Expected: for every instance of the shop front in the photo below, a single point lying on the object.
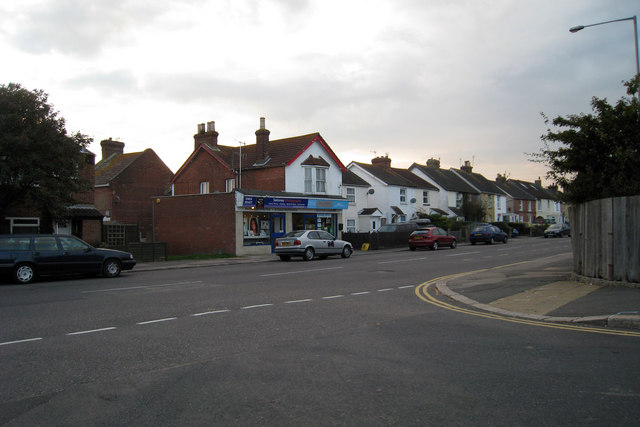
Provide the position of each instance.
(263, 218)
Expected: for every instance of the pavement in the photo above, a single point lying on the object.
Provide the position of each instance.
(545, 289)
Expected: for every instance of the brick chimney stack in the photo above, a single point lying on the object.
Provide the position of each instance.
(111, 147)
(433, 163)
(385, 162)
(467, 167)
(206, 135)
(262, 142)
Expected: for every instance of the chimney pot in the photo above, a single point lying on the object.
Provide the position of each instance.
(262, 142)
(206, 135)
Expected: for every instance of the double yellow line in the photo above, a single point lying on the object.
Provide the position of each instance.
(422, 291)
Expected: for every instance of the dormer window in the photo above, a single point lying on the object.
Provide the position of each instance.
(315, 180)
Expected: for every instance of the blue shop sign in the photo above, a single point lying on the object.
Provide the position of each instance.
(293, 202)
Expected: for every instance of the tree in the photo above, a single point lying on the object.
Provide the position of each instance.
(472, 211)
(599, 156)
(39, 161)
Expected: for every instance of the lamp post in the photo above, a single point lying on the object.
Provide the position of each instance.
(635, 33)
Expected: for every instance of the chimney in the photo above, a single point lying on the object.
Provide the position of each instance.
(538, 182)
(502, 179)
(433, 163)
(467, 167)
(262, 143)
(110, 147)
(385, 162)
(206, 135)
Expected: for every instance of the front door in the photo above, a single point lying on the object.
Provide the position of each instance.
(278, 227)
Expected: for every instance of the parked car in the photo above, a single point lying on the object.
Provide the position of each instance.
(487, 233)
(431, 237)
(27, 257)
(309, 243)
(558, 230)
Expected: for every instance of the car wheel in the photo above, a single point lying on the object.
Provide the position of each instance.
(285, 257)
(111, 268)
(412, 248)
(505, 240)
(545, 236)
(435, 246)
(473, 243)
(492, 241)
(454, 244)
(346, 252)
(24, 274)
(308, 255)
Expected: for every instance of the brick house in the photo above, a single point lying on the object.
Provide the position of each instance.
(238, 200)
(521, 204)
(125, 185)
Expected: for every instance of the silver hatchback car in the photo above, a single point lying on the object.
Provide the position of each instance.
(309, 243)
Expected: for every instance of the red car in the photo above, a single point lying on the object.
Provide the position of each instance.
(432, 237)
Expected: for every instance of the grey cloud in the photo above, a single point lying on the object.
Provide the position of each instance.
(82, 28)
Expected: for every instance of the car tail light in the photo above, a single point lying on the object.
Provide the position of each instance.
(297, 243)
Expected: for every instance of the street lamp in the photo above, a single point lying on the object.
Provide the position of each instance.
(635, 33)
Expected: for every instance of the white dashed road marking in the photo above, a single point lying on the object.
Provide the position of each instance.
(92, 331)
(156, 321)
(20, 341)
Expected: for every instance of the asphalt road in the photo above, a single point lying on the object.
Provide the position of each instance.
(336, 341)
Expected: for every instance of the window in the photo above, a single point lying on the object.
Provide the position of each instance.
(351, 194)
(403, 195)
(308, 180)
(73, 244)
(351, 226)
(425, 198)
(24, 225)
(321, 180)
(204, 187)
(229, 185)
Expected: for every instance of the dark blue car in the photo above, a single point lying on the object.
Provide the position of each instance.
(488, 234)
(26, 257)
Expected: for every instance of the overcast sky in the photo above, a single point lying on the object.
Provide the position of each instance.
(451, 79)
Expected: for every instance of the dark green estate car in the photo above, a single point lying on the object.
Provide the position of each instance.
(25, 257)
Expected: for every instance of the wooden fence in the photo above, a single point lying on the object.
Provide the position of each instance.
(605, 235)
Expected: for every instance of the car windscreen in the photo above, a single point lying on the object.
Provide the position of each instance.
(554, 227)
(387, 228)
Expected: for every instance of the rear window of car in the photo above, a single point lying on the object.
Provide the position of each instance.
(482, 228)
(15, 243)
(420, 232)
(295, 233)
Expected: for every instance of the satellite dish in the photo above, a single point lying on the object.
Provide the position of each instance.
(413, 200)
(371, 191)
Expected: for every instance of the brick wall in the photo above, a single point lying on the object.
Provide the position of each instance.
(264, 179)
(203, 168)
(134, 189)
(196, 224)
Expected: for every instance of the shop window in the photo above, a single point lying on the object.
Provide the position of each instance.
(256, 228)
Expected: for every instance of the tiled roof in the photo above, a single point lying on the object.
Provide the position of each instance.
(480, 182)
(396, 176)
(110, 168)
(515, 190)
(447, 179)
(350, 178)
(537, 191)
(281, 152)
